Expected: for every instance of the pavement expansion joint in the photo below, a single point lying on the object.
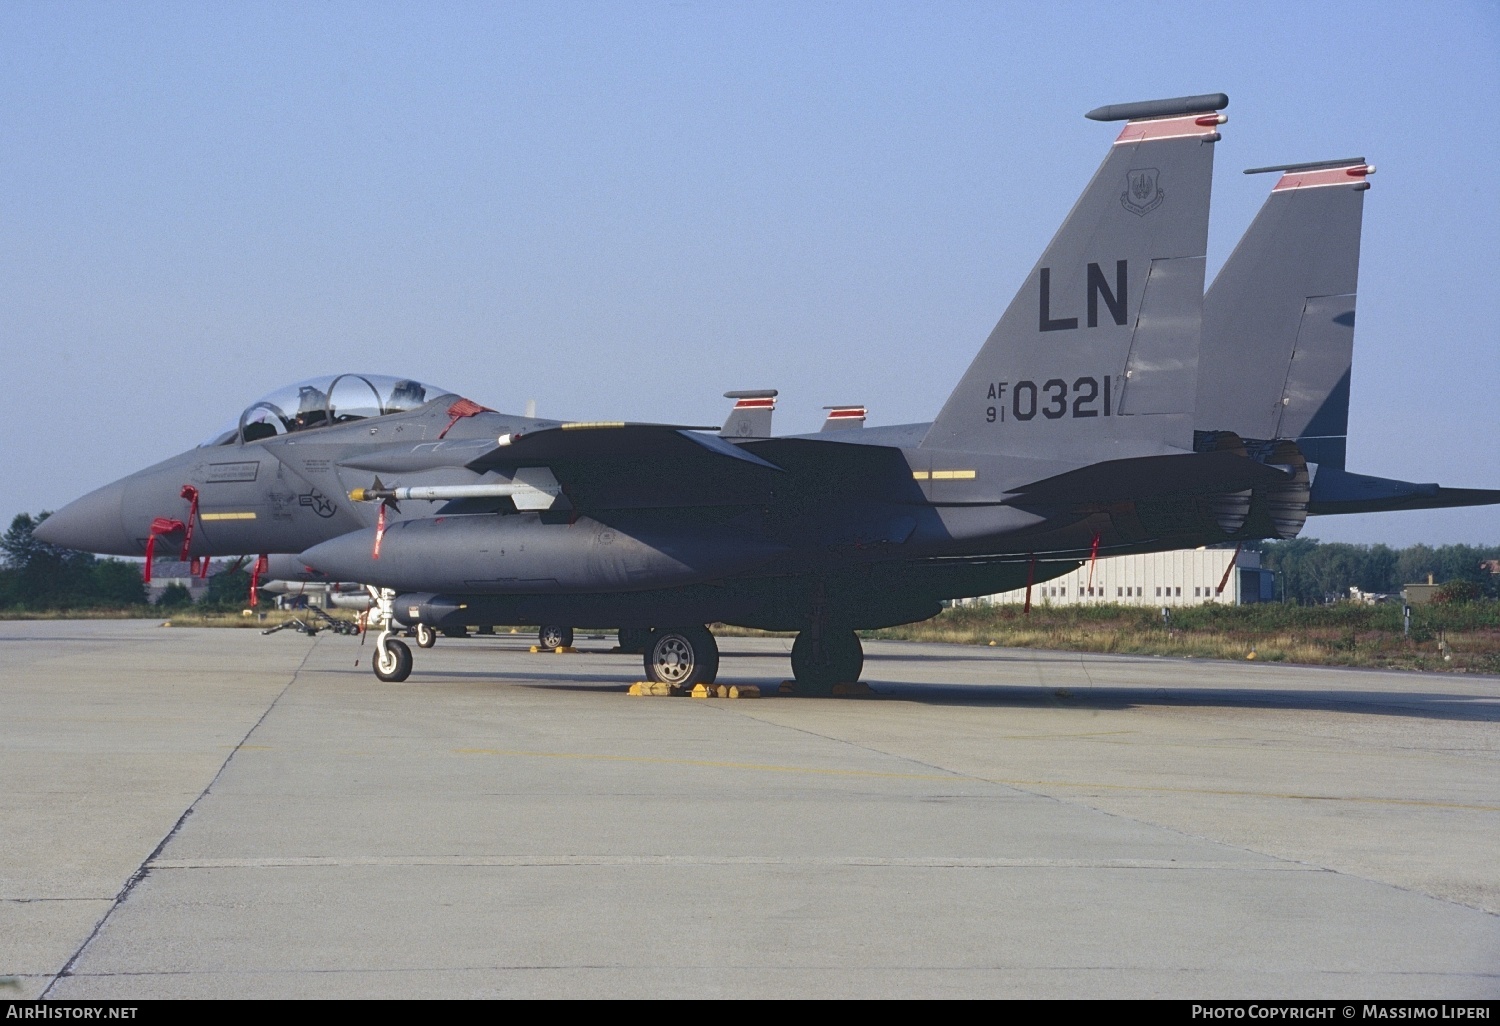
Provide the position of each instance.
(144, 867)
(670, 861)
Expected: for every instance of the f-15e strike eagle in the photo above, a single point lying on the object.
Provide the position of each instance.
(1112, 410)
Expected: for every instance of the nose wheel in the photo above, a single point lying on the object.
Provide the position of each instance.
(392, 660)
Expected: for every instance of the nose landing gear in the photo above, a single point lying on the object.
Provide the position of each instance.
(392, 660)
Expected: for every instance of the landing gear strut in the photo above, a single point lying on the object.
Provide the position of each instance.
(683, 656)
(392, 660)
(831, 657)
(633, 640)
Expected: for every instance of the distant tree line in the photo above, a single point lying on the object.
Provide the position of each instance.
(1310, 571)
(38, 576)
(42, 577)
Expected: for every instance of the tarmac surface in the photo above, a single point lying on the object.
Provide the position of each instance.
(215, 813)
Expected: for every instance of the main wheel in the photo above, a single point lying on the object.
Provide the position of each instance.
(551, 636)
(424, 635)
(633, 640)
(393, 662)
(683, 656)
(838, 660)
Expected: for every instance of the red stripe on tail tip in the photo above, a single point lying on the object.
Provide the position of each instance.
(1199, 125)
(1324, 176)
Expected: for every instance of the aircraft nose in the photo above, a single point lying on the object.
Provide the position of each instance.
(93, 523)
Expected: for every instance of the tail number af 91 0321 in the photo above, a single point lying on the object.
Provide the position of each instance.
(1054, 399)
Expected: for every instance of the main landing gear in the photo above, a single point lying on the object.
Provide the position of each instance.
(633, 640)
(821, 659)
(683, 656)
(822, 656)
(553, 637)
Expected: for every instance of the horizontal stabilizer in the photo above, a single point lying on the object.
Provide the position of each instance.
(1338, 491)
(1149, 477)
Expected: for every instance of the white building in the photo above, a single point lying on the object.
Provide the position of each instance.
(1181, 577)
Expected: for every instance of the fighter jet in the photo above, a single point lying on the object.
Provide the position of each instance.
(1071, 435)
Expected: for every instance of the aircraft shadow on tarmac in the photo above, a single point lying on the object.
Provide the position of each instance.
(1436, 705)
(1072, 695)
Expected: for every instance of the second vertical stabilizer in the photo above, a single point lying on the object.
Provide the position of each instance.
(1278, 322)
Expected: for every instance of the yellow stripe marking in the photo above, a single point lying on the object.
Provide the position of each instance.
(574, 426)
(920, 475)
(226, 516)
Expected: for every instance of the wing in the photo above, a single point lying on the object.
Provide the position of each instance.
(613, 465)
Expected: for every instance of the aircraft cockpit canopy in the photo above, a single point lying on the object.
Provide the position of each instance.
(330, 399)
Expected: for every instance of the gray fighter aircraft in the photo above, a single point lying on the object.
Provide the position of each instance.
(1071, 435)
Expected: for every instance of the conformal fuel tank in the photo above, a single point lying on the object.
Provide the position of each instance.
(525, 554)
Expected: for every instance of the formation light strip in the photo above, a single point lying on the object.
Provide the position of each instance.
(944, 475)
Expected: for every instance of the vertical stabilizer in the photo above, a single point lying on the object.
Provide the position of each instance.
(1278, 322)
(1096, 357)
(751, 415)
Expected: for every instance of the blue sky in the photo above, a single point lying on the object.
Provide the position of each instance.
(622, 210)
